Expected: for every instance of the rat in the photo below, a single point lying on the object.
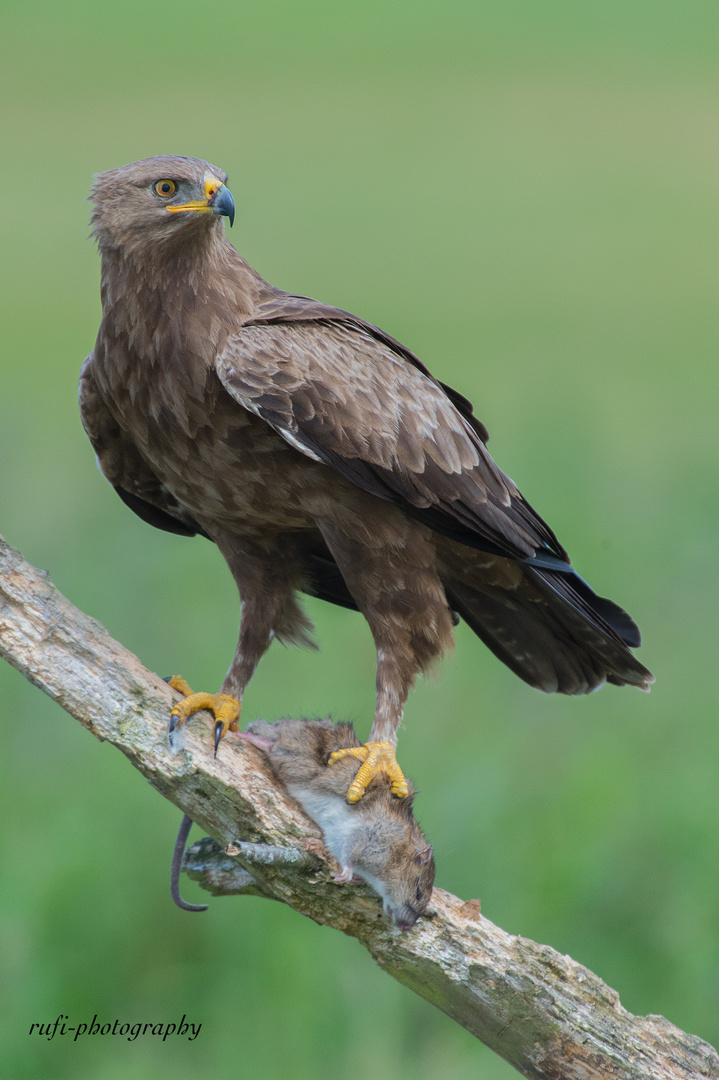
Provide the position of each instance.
(377, 839)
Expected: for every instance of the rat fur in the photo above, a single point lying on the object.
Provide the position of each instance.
(376, 839)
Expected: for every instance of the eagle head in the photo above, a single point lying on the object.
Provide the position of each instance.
(158, 200)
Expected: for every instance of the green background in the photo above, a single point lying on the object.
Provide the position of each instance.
(526, 194)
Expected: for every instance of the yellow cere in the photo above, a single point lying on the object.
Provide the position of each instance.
(211, 187)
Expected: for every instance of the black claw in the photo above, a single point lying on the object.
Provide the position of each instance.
(166, 678)
(219, 727)
(173, 724)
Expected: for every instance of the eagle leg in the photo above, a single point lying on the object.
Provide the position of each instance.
(388, 565)
(378, 759)
(224, 708)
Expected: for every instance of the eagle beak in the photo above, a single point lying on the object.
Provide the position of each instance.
(223, 203)
(218, 200)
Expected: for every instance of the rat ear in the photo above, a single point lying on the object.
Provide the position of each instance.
(424, 855)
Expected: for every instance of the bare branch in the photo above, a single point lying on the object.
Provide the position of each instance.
(547, 1015)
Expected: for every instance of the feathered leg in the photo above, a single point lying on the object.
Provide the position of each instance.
(390, 573)
(267, 576)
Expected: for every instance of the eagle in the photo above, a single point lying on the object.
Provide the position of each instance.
(321, 456)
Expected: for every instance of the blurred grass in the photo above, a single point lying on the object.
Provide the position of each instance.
(527, 195)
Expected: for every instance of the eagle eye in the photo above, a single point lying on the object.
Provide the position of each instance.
(165, 188)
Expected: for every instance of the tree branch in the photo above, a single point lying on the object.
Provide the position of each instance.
(541, 1011)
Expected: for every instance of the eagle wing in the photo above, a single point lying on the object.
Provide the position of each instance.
(343, 393)
(121, 463)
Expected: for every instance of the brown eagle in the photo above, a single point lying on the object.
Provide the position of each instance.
(321, 456)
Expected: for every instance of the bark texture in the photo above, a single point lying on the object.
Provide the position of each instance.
(547, 1015)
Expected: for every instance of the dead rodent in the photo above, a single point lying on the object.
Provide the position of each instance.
(376, 839)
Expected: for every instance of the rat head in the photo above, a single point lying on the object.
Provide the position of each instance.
(159, 200)
(407, 884)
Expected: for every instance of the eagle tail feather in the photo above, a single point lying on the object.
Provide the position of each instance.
(552, 638)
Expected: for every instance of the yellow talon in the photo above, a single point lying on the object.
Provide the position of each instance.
(179, 684)
(378, 759)
(225, 709)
